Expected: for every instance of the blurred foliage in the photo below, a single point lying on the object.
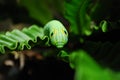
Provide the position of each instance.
(86, 16)
(76, 14)
(87, 69)
(42, 10)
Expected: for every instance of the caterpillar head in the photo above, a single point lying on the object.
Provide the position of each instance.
(57, 33)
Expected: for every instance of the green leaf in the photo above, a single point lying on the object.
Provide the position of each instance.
(63, 55)
(103, 25)
(76, 14)
(86, 68)
(82, 58)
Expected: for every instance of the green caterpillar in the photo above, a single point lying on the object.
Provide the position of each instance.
(54, 30)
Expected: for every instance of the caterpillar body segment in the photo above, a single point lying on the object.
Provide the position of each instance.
(57, 33)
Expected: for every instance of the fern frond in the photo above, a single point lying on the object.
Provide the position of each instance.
(17, 39)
